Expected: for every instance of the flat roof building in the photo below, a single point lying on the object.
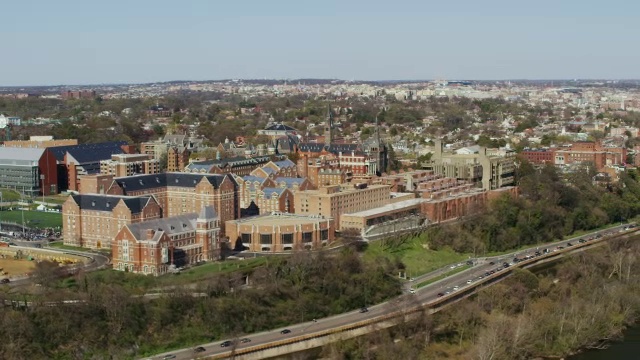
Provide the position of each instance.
(278, 232)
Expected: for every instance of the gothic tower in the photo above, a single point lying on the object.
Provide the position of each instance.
(328, 138)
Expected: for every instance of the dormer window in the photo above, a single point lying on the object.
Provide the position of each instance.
(93, 203)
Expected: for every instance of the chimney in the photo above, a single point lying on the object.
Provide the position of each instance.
(150, 234)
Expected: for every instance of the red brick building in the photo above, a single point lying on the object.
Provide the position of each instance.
(151, 247)
(92, 221)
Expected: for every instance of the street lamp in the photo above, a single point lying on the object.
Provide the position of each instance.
(42, 179)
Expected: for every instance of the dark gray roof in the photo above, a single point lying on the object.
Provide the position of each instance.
(142, 182)
(332, 148)
(108, 202)
(85, 153)
(208, 213)
(170, 225)
(280, 127)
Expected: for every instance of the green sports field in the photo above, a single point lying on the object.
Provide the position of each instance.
(33, 219)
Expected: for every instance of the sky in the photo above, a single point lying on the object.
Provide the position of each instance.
(69, 42)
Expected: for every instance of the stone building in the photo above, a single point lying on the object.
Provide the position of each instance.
(278, 232)
(152, 247)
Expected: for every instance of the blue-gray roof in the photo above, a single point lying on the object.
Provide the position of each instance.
(143, 182)
(289, 181)
(268, 192)
(85, 153)
(108, 202)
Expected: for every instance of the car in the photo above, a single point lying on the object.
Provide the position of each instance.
(412, 279)
(226, 343)
(412, 291)
(506, 265)
(560, 247)
(169, 356)
(245, 340)
(285, 331)
(5, 281)
(569, 244)
(364, 310)
(470, 262)
(492, 263)
(199, 349)
(487, 273)
(516, 260)
(582, 241)
(469, 281)
(480, 277)
(491, 272)
(455, 288)
(440, 294)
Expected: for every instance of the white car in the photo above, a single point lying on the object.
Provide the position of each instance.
(455, 288)
(412, 291)
(469, 281)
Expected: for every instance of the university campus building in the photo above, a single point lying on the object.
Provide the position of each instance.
(278, 232)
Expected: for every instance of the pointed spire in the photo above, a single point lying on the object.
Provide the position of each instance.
(328, 139)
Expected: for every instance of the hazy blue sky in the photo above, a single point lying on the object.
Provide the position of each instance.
(114, 41)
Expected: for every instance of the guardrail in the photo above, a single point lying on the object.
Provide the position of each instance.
(434, 304)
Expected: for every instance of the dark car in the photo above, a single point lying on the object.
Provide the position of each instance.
(506, 265)
(492, 263)
(569, 244)
(582, 241)
(226, 343)
(167, 357)
(285, 331)
(245, 340)
(364, 310)
(199, 349)
(440, 294)
(487, 273)
(4, 281)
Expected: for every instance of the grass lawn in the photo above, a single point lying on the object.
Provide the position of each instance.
(189, 276)
(440, 277)
(55, 199)
(417, 258)
(34, 219)
(9, 195)
(61, 246)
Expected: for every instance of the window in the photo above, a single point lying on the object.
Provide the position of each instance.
(246, 238)
(287, 238)
(307, 237)
(324, 234)
(265, 239)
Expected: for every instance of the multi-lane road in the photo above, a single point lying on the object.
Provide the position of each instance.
(408, 300)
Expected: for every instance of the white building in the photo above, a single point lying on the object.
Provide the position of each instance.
(8, 120)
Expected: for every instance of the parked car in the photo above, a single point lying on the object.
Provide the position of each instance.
(364, 310)
(5, 281)
(285, 331)
(199, 349)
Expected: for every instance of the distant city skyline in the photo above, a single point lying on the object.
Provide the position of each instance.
(81, 43)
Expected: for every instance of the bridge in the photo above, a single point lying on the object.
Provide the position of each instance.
(427, 300)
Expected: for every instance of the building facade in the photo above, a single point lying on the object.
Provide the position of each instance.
(280, 232)
(92, 221)
(152, 247)
(129, 164)
(332, 201)
(29, 171)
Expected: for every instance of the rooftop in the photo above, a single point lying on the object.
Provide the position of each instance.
(278, 218)
(400, 205)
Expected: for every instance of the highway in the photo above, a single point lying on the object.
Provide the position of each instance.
(406, 301)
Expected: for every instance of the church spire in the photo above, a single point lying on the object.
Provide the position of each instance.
(328, 139)
(377, 133)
